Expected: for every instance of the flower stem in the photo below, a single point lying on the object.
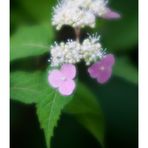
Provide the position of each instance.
(77, 33)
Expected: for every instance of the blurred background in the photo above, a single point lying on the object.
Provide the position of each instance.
(118, 98)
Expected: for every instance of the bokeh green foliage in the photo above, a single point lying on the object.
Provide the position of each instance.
(31, 36)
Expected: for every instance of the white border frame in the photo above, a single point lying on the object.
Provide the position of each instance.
(143, 74)
(4, 74)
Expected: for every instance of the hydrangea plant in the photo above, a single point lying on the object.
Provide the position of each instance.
(78, 14)
(52, 91)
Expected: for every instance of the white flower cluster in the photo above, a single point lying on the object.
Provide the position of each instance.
(78, 13)
(65, 53)
(73, 52)
(92, 49)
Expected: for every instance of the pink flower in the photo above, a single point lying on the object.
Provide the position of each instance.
(63, 79)
(102, 70)
(110, 14)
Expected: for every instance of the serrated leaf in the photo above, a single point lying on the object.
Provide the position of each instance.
(85, 108)
(34, 88)
(49, 110)
(30, 41)
(123, 68)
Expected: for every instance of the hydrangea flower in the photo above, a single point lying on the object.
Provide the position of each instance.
(73, 52)
(80, 13)
(63, 79)
(102, 69)
(68, 13)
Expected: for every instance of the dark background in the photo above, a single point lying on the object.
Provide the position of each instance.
(118, 98)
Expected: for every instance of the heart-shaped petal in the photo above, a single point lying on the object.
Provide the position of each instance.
(67, 87)
(108, 60)
(104, 75)
(68, 70)
(54, 78)
(93, 70)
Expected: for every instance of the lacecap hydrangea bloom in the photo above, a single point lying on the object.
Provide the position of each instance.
(73, 52)
(65, 55)
(81, 13)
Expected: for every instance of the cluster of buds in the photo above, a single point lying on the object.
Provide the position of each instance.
(73, 52)
(64, 56)
(81, 13)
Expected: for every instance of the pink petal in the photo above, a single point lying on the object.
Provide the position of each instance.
(102, 69)
(67, 87)
(68, 70)
(104, 76)
(110, 14)
(93, 70)
(108, 60)
(54, 78)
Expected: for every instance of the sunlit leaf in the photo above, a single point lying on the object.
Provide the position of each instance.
(30, 41)
(29, 87)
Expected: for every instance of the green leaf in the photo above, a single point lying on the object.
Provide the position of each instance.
(30, 41)
(34, 88)
(27, 12)
(38, 9)
(119, 101)
(29, 87)
(49, 110)
(87, 111)
(124, 69)
(30, 11)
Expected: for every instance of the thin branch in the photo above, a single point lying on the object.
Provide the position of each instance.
(77, 33)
